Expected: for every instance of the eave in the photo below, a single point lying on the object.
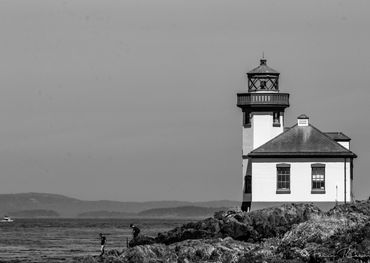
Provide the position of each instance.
(300, 155)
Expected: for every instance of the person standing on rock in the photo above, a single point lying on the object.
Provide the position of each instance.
(135, 231)
(103, 239)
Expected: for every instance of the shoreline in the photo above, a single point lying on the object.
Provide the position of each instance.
(289, 233)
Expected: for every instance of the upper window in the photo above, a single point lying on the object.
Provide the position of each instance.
(276, 119)
(246, 119)
(283, 178)
(318, 178)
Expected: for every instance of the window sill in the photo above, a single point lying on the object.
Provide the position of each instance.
(276, 125)
(282, 192)
(318, 192)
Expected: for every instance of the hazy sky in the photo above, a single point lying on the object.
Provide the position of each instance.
(136, 100)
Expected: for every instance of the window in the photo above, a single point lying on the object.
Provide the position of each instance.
(263, 84)
(318, 178)
(246, 119)
(283, 179)
(276, 119)
(248, 184)
(248, 178)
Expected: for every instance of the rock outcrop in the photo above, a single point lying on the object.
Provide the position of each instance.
(251, 227)
(290, 233)
(142, 240)
(265, 223)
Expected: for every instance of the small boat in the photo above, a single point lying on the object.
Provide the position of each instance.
(7, 219)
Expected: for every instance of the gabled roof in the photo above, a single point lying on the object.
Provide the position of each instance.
(302, 141)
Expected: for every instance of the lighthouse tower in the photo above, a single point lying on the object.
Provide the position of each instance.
(263, 117)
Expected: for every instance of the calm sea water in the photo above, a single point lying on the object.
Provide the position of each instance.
(61, 240)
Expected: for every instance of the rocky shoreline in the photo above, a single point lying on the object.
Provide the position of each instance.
(289, 233)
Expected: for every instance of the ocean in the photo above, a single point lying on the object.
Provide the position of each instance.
(63, 240)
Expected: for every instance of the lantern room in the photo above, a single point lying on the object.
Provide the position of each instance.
(263, 78)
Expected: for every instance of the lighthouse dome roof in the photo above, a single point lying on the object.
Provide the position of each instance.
(263, 69)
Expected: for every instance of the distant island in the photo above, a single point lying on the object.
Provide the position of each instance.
(170, 212)
(53, 205)
(182, 211)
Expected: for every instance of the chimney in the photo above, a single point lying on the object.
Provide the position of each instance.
(302, 120)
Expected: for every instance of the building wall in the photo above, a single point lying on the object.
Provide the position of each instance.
(263, 130)
(247, 147)
(247, 140)
(264, 180)
(260, 132)
(344, 144)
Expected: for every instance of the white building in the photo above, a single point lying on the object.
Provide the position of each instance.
(297, 164)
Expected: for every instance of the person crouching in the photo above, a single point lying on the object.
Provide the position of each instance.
(135, 231)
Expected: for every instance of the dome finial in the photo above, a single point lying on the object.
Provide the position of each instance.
(263, 60)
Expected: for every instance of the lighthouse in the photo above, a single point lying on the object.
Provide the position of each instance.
(263, 109)
(282, 164)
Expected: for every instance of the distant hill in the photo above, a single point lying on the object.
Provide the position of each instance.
(183, 211)
(106, 214)
(71, 207)
(35, 213)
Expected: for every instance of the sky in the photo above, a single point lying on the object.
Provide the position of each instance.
(136, 100)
